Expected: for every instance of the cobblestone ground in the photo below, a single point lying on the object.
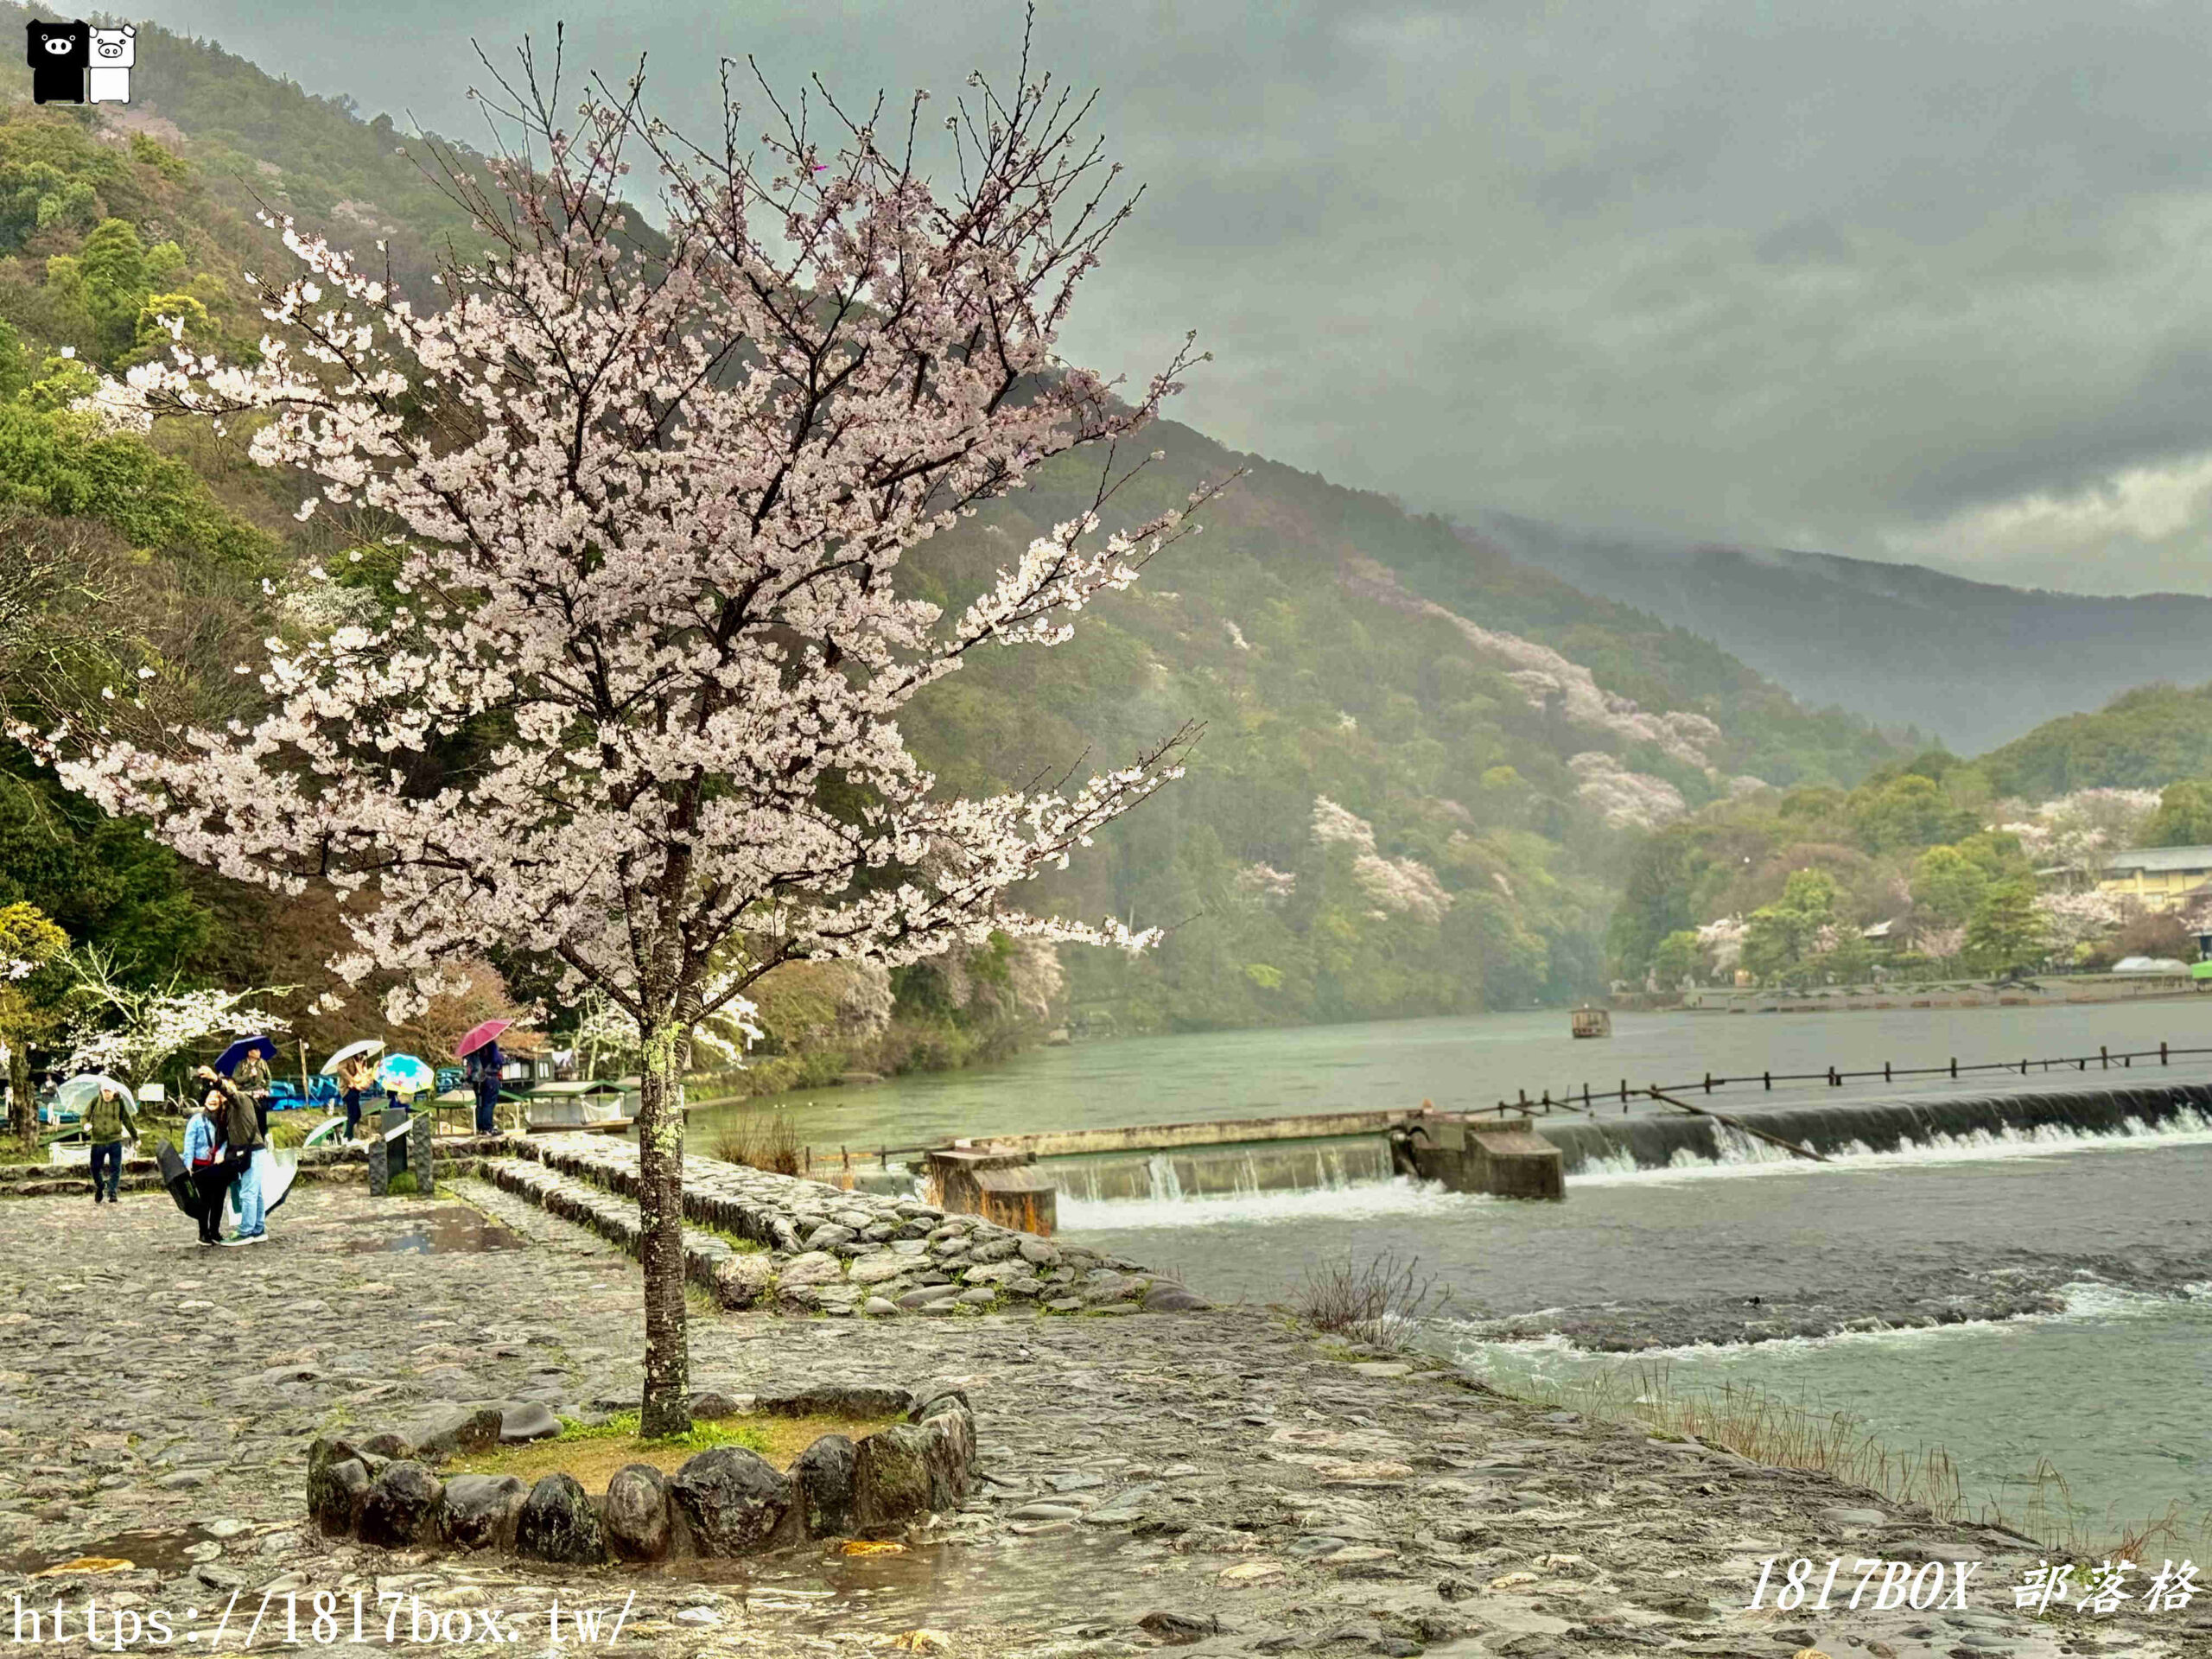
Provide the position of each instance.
(1215, 1481)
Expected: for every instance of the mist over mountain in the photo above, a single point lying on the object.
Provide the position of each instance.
(1974, 663)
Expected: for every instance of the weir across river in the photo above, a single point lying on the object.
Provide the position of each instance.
(1509, 1154)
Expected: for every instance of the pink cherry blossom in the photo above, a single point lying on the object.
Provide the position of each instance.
(648, 511)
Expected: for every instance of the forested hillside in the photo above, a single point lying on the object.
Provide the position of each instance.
(2146, 738)
(1422, 770)
(1495, 732)
(1946, 851)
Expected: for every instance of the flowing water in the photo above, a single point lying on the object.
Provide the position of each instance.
(2014, 1269)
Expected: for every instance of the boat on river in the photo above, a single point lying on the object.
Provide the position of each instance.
(1587, 1021)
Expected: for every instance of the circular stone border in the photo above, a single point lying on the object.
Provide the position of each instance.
(383, 1491)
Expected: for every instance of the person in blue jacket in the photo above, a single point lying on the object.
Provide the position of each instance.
(203, 1157)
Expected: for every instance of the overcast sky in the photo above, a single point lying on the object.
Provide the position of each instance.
(1899, 279)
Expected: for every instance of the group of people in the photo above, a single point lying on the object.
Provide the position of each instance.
(228, 1125)
(485, 1068)
(229, 1122)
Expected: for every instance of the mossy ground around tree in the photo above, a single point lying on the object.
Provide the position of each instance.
(592, 1453)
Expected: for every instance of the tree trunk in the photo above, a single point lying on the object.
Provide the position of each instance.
(22, 1102)
(666, 1408)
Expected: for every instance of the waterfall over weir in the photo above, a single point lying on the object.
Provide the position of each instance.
(1223, 1172)
(1887, 1124)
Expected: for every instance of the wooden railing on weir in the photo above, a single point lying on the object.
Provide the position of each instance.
(1589, 1100)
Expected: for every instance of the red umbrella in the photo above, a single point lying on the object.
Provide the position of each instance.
(483, 1034)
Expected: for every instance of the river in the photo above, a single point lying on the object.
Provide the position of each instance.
(2011, 1298)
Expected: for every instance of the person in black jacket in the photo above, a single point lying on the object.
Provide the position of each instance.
(485, 1066)
(242, 1135)
(204, 1156)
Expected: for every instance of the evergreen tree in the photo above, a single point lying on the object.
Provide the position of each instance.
(2006, 933)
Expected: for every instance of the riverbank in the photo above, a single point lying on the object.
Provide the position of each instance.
(1216, 1477)
(2051, 990)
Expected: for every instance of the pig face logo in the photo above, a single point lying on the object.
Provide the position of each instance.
(113, 51)
(59, 53)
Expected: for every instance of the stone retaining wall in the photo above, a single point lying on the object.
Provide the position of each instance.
(768, 1241)
(727, 1501)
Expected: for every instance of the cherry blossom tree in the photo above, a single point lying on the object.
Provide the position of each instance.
(1723, 940)
(2079, 830)
(134, 1031)
(1265, 883)
(28, 941)
(1402, 886)
(608, 1033)
(634, 715)
(1942, 945)
(2074, 919)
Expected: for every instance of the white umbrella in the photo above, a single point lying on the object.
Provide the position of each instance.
(366, 1045)
(79, 1092)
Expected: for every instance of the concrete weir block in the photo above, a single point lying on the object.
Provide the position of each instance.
(999, 1184)
(1024, 1199)
(1506, 1159)
(1516, 1163)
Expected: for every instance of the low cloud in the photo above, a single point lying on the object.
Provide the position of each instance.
(1893, 280)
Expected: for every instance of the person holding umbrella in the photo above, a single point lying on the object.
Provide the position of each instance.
(355, 1078)
(246, 1063)
(486, 1065)
(108, 1119)
(242, 1138)
(354, 1067)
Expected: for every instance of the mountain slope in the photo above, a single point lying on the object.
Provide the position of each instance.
(1422, 769)
(2148, 739)
(1974, 662)
(1420, 773)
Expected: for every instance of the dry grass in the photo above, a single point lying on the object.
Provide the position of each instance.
(1758, 1426)
(761, 1139)
(593, 1455)
(1382, 1301)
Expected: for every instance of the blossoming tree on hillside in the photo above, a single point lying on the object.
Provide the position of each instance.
(634, 715)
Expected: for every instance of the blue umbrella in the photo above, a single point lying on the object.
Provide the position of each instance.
(227, 1061)
(403, 1074)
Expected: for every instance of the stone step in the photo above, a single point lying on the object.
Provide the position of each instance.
(767, 1240)
(780, 1212)
(708, 1261)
